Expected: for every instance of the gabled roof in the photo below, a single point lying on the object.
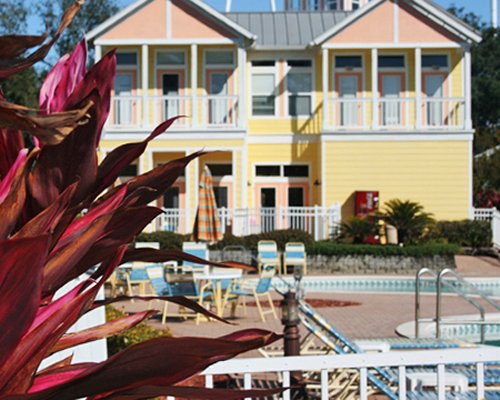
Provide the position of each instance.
(287, 30)
(426, 7)
(200, 5)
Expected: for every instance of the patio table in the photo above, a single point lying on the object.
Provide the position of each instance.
(216, 276)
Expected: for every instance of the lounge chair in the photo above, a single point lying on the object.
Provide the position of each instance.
(267, 254)
(135, 274)
(199, 250)
(256, 290)
(295, 255)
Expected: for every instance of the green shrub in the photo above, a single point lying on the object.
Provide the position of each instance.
(137, 334)
(167, 240)
(465, 233)
(328, 248)
(359, 230)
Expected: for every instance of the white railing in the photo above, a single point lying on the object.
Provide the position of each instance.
(492, 215)
(348, 113)
(282, 367)
(483, 214)
(125, 111)
(219, 111)
(443, 113)
(395, 112)
(320, 222)
(165, 107)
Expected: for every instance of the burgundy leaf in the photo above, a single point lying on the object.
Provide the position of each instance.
(11, 143)
(102, 331)
(59, 364)
(13, 46)
(122, 156)
(161, 361)
(20, 289)
(58, 376)
(6, 182)
(62, 79)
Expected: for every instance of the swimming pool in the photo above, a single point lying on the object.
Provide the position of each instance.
(383, 284)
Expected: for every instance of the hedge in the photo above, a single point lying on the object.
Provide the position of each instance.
(465, 233)
(327, 248)
(167, 240)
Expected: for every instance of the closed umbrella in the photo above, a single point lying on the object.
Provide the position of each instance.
(207, 226)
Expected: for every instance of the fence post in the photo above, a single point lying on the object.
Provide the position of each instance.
(317, 221)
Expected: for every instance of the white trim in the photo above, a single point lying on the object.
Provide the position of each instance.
(150, 160)
(114, 19)
(215, 15)
(145, 83)
(468, 89)
(242, 65)
(98, 53)
(397, 137)
(173, 136)
(323, 173)
(422, 6)
(494, 14)
(233, 178)
(471, 180)
(324, 80)
(168, 18)
(244, 174)
(418, 87)
(187, 196)
(161, 42)
(228, 6)
(194, 84)
(364, 46)
(395, 21)
(375, 121)
(196, 165)
(284, 138)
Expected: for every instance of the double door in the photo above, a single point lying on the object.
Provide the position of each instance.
(284, 196)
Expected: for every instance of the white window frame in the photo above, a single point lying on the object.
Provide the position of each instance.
(440, 69)
(357, 2)
(170, 66)
(128, 66)
(264, 70)
(287, 94)
(217, 66)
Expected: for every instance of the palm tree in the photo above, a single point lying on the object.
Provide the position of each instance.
(360, 229)
(408, 217)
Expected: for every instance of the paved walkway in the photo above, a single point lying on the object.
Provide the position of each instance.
(377, 316)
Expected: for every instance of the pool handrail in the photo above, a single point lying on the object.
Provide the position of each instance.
(420, 272)
(463, 294)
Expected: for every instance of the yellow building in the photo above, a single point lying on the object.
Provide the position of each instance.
(305, 108)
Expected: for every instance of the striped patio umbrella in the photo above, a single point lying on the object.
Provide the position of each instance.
(207, 225)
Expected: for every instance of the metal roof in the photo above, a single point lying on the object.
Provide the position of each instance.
(287, 30)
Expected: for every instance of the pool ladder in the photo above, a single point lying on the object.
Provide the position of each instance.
(466, 295)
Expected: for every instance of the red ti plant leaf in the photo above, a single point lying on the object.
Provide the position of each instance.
(122, 156)
(6, 182)
(59, 165)
(11, 143)
(62, 79)
(12, 206)
(20, 288)
(161, 361)
(11, 47)
(102, 331)
(57, 376)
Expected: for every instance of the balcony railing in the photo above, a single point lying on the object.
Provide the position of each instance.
(320, 222)
(205, 112)
(395, 113)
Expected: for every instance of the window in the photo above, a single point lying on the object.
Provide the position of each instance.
(348, 62)
(125, 59)
(220, 169)
(331, 4)
(391, 61)
(296, 171)
(355, 4)
(267, 170)
(127, 173)
(219, 57)
(263, 88)
(220, 193)
(299, 87)
(435, 61)
(170, 58)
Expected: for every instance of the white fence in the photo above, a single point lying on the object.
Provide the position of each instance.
(320, 222)
(324, 366)
(493, 215)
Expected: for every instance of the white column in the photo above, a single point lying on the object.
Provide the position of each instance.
(194, 85)
(324, 77)
(98, 53)
(375, 89)
(242, 67)
(144, 80)
(468, 89)
(494, 14)
(418, 88)
(244, 175)
(228, 5)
